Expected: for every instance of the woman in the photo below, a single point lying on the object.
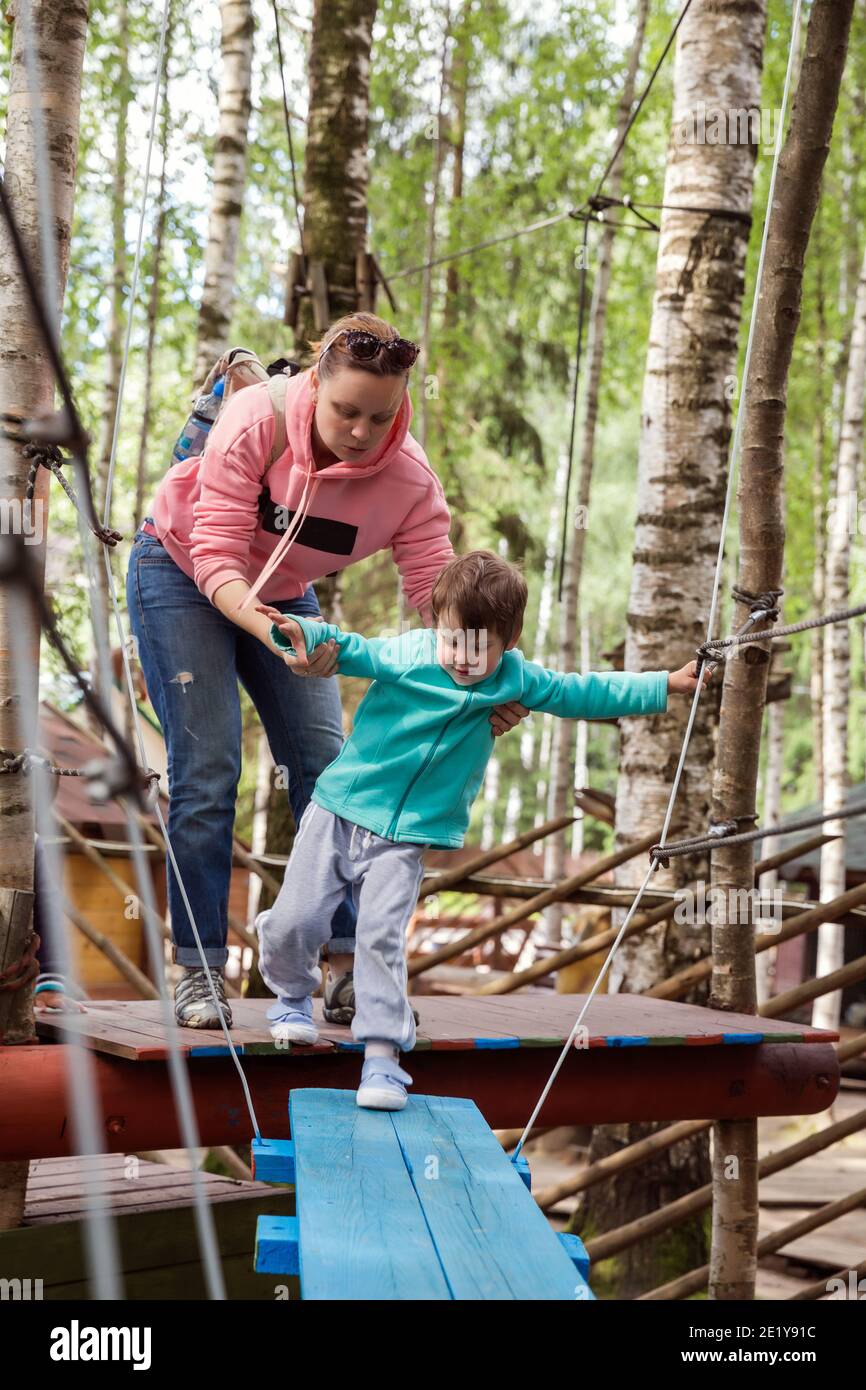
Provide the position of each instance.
(351, 481)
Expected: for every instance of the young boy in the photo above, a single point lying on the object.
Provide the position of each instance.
(405, 780)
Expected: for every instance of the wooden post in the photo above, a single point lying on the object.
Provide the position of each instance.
(762, 538)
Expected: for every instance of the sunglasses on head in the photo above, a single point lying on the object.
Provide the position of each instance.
(364, 346)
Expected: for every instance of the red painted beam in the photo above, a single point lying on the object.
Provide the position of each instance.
(595, 1086)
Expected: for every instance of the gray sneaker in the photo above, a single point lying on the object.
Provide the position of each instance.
(338, 1005)
(193, 1002)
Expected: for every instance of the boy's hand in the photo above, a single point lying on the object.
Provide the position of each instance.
(323, 661)
(505, 717)
(685, 680)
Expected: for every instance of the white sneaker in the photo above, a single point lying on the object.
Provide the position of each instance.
(289, 1024)
(383, 1084)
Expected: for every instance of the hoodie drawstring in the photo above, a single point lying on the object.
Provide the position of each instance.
(287, 541)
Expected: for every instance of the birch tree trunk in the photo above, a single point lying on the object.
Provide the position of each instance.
(562, 769)
(733, 1260)
(819, 521)
(682, 464)
(229, 183)
(27, 388)
(114, 330)
(142, 482)
(837, 673)
(430, 249)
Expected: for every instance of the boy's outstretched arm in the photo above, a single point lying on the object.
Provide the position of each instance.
(297, 638)
(605, 694)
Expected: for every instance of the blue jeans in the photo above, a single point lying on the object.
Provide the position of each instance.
(193, 657)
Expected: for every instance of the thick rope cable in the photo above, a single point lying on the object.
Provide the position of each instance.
(732, 463)
(720, 840)
(839, 615)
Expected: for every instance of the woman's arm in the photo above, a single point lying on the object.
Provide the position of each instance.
(226, 598)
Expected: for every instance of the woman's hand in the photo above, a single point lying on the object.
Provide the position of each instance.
(685, 680)
(323, 661)
(505, 717)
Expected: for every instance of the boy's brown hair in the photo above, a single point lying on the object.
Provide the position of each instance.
(483, 591)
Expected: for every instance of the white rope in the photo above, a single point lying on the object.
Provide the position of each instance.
(732, 466)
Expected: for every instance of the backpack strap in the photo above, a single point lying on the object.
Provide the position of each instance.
(277, 383)
(277, 392)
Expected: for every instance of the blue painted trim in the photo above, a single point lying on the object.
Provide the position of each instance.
(742, 1037)
(632, 1041)
(576, 1252)
(277, 1246)
(522, 1166)
(214, 1051)
(496, 1042)
(273, 1160)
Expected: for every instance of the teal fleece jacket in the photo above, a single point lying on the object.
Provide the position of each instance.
(414, 762)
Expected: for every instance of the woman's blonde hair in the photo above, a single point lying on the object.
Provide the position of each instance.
(337, 356)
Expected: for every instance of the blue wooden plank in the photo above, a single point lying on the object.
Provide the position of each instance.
(522, 1166)
(633, 1040)
(496, 1042)
(576, 1252)
(273, 1160)
(277, 1245)
(362, 1231)
(742, 1037)
(492, 1239)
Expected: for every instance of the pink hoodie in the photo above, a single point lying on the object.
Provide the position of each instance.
(220, 519)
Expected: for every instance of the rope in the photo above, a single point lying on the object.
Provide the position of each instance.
(721, 839)
(732, 460)
(643, 96)
(840, 615)
(22, 762)
(22, 970)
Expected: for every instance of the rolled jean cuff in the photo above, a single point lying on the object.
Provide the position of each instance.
(340, 946)
(188, 955)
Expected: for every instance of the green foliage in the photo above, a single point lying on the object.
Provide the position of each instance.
(543, 87)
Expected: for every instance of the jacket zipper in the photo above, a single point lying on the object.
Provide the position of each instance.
(393, 826)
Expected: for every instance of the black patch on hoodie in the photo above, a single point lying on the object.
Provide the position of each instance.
(317, 532)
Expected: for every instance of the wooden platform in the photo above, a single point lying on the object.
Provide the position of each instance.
(532, 1018)
(152, 1207)
(418, 1204)
(643, 1059)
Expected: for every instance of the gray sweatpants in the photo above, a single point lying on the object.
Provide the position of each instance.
(330, 853)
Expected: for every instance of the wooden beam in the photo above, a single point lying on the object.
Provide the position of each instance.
(519, 914)
(445, 879)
